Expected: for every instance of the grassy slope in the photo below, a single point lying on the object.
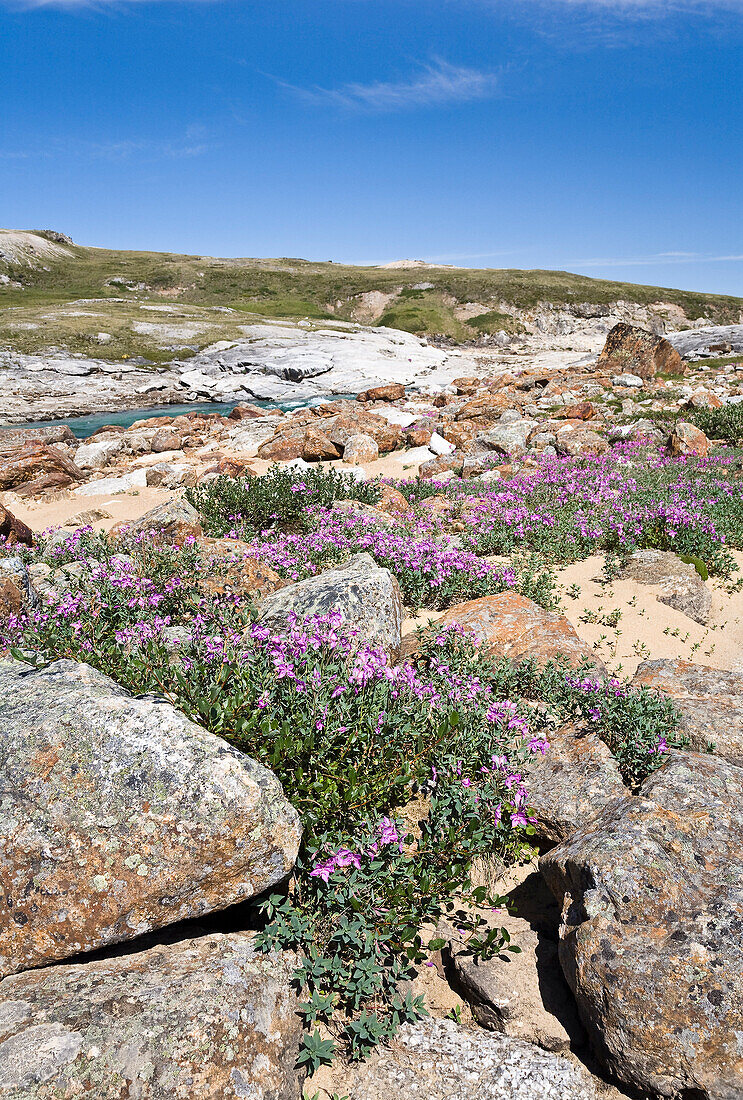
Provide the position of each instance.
(295, 288)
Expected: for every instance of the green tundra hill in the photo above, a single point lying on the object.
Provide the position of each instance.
(54, 293)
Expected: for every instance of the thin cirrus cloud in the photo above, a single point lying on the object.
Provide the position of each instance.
(144, 150)
(436, 84)
(661, 258)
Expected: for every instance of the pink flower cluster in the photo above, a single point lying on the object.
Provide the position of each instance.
(344, 857)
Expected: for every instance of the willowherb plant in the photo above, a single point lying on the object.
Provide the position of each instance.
(279, 500)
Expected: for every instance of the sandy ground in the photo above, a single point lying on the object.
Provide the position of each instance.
(646, 629)
(122, 508)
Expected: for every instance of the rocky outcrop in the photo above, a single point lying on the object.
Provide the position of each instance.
(711, 341)
(681, 586)
(123, 816)
(367, 596)
(513, 626)
(571, 782)
(709, 701)
(652, 912)
(438, 1060)
(393, 391)
(191, 1020)
(632, 350)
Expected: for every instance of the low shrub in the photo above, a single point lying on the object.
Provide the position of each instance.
(279, 500)
(724, 423)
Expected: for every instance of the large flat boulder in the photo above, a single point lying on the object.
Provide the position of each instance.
(120, 816)
(650, 939)
(709, 700)
(194, 1020)
(680, 585)
(437, 1060)
(367, 596)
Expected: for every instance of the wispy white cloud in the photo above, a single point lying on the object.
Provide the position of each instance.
(79, 4)
(435, 84)
(190, 144)
(659, 258)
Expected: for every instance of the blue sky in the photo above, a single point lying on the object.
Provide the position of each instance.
(599, 136)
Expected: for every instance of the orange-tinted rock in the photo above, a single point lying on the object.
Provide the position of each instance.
(169, 439)
(392, 502)
(488, 407)
(687, 439)
(12, 597)
(582, 411)
(246, 412)
(233, 570)
(466, 385)
(434, 467)
(234, 467)
(703, 399)
(513, 626)
(13, 530)
(415, 436)
(460, 432)
(580, 441)
(31, 460)
(12, 438)
(394, 391)
(317, 447)
(43, 482)
(283, 447)
(630, 350)
(340, 429)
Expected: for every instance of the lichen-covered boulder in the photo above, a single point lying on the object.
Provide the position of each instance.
(639, 352)
(119, 816)
(709, 702)
(193, 1020)
(176, 520)
(687, 439)
(360, 448)
(652, 929)
(438, 1060)
(571, 782)
(367, 596)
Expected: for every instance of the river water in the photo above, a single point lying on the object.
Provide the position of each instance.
(83, 426)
